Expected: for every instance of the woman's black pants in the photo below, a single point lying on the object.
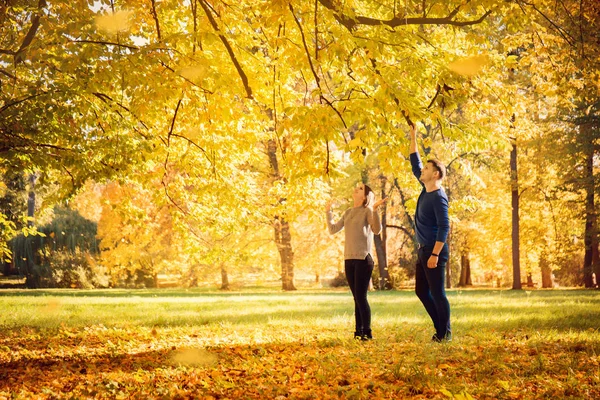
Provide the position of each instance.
(358, 274)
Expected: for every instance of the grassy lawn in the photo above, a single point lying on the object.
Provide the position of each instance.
(180, 344)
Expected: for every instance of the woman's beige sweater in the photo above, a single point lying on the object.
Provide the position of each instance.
(360, 223)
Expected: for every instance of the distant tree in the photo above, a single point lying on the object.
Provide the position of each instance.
(69, 238)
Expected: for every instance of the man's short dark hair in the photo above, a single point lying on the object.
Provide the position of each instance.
(437, 164)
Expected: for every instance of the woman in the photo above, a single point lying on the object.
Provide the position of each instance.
(360, 222)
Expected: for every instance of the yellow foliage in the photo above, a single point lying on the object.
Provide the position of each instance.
(194, 73)
(469, 66)
(115, 22)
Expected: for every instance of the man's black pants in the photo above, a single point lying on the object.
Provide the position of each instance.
(430, 286)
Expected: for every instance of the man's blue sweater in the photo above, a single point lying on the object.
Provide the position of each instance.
(431, 217)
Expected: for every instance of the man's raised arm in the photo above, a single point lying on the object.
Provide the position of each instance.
(413, 140)
(415, 159)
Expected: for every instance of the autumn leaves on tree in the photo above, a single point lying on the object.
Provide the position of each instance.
(230, 123)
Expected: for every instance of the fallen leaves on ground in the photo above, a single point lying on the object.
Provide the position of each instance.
(194, 362)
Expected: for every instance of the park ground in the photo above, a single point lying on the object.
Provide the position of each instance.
(199, 344)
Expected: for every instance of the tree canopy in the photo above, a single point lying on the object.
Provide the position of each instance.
(219, 118)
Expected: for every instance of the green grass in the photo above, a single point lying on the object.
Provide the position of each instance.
(262, 344)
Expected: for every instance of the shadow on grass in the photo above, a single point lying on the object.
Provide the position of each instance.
(471, 309)
(166, 292)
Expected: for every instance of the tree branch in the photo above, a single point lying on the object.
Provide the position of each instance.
(168, 142)
(403, 200)
(105, 43)
(155, 16)
(316, 30)
(328, 151)
(402, 228)
(312, 67)
(437, 93)
(352, 22)
(171, 199)
(14, 103)
(396, 100)
(4, 72)
(235, 61)
(565, 35)
(27, 143)
(190, 141)
(173, 123)
(35, 24)
(314, 72)
(105, 98)
(185, 79)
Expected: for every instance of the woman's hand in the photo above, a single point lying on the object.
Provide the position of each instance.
(378, 203)
(328, 206)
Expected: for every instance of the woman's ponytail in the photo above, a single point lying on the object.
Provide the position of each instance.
(369, 197)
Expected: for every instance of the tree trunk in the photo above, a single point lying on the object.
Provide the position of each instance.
(384, 274)
(449, 263)
(283, 240)
(224, 278)
(194, 276)
(596, 264)
(283, 236)
(515, 217)
(381, 245)
(546, 272)
(465, 270)
(591, 239)
(31, 200)
(32, 278)
(530, 280)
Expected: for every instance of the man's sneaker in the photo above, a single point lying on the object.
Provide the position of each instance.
(447, 338)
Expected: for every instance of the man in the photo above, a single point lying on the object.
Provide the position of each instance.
(432, 226)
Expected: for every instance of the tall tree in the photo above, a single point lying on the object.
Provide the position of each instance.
(561, 45)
